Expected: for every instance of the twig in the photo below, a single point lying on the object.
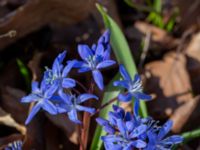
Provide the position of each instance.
(86, 124)
(104, 105)
(145, 49)
(11, 34)
(81, 85)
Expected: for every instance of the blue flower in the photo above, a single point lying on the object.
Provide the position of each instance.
(58, 74)
(157, 140)
(41, 96)
(133, 87)
(127, 131)
(16, 145)
(123, 131)
(71, 104)
(95, 58)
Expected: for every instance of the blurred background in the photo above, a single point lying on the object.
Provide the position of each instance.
(164, 39)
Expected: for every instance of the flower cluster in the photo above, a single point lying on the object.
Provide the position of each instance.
(96, 58)
(56, 94)
(127, 131)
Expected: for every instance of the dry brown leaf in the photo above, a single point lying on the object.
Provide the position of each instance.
(193, 61)
(6, 119)
(10, 102)
(68, 127)
(169, 81)
(35, 14)
(158, 36)
(34, 65)
(189, 12)
(181, 115)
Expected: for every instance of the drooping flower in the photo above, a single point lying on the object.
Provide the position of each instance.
(58, 74)
(72, 104)
(133, 87)
(16, 145)
(41, 96)
(95, 58)
(157, 140)
(123, 131)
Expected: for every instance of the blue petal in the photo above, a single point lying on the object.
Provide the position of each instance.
(49, 107)
(165, 129)
(109, 129)
(120, 111)
(30, 98)
(56, 68)
(111, 138)
(99, 50)
(61, 56)
(142, 96)
(122, 127)
(61, 109)
(77, 64)
(68, 83)
(129, 125)
(101, 121)
(43, 85)
(136, 78)
(128, 147)
(35, 86)
(84, 52)
(111, 146)
(73, 116)
(84, 69)
(49, 92)
(105, 64)
(112, 118)
(105, 38)
(138, 131)
(128, 116)
(124, 73)
(175, 139)
(125, 97)
(123, 83)
(106, 55)
(94, 46)
(33, 112)
(67, 68)
(66, 98)
(98, 78)
(84, 97)
(139, 144)
(87, 109)
(136, 107)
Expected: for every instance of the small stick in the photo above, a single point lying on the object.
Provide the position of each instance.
(86, 124)
(81, 85)
(104, 105)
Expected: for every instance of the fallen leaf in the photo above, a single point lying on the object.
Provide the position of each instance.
(169, 81)
(7, 120)
(193, 61)
(182, 114)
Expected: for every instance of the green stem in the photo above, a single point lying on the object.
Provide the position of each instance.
(191, 135)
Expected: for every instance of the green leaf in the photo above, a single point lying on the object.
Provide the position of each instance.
(24, 72)
(191, 135)
(124, 56)
(157, 5)
(110, 93)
